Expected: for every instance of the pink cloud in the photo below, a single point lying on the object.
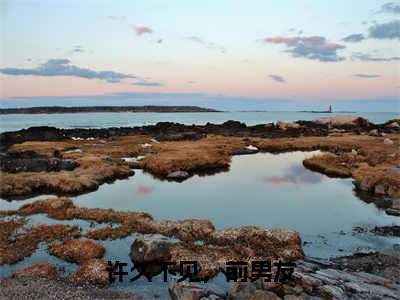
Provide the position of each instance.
(288, 40)
(144, 190)
(139, 30)
(311, 47)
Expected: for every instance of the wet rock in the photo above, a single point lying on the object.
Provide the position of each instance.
(178, 175)
(29, 161)
(373, 263)
(393, 230)
(151, 249)
(189, 135)
(43, 270)
(393, 211)
(91, 272)
(250, 149)
(194, 291)
(383, 202)
(390, 230)
(78, 251)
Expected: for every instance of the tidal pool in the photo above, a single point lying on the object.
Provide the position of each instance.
(268, 190)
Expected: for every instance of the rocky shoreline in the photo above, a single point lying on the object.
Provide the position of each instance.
(166, 131)
(366, 276)
(77, 161)
(44, 160)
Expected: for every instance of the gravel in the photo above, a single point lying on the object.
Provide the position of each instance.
(40, 288)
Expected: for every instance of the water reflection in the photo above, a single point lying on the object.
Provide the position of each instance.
(144, 190)
(272, 191)
(296, 174)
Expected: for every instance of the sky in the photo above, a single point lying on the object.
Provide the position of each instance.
(226, 54)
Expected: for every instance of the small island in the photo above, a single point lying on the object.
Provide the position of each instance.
(93, 109)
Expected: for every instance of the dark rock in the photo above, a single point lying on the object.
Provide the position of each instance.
(175, 131)
(29, 161)
(151, 248)
(149, 252)
(178, 175)
(393, 230)
(190, 135)
(247, 150)
(393, 211)
(373, 263)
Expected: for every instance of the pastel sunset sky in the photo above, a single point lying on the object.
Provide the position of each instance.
(195, 52)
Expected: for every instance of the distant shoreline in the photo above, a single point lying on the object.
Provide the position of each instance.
(94, 109)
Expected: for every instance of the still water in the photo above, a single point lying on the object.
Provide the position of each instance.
(103, 120)
(268, 190)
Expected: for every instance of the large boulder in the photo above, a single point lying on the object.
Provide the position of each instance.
(149, 252)
(151, 249)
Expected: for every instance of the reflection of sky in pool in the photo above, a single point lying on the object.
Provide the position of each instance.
(262, 189)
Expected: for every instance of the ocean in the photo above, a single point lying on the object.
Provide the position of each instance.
(127, 119)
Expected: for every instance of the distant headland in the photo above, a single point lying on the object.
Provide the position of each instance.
(93, 109)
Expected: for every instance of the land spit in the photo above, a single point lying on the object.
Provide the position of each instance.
(79, 160)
